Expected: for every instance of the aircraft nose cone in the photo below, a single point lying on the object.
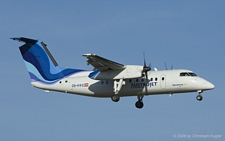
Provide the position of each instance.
(209, 86)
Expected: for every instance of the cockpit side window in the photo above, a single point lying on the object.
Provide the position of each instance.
(192, 74)
(187, 74)
(184, 74)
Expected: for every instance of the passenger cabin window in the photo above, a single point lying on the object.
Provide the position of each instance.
(187, 74)
(156, 79)
(162, 78)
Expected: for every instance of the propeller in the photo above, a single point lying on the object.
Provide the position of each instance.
(146, 68)
(145, 71)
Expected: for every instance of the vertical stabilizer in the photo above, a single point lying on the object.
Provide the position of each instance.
(40, 63)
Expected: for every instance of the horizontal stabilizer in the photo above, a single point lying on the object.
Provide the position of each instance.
(25, 40)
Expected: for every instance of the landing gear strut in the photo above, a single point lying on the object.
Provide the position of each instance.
(139, 104)
(199, 96)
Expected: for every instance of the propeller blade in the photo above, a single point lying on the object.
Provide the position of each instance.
(146, 76)
(144, 59)
(145, 67)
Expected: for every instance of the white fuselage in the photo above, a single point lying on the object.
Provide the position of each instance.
(159, 82)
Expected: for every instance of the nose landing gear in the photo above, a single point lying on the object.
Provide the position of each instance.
(199, 96)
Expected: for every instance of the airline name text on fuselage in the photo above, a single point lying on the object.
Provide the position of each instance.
(142, 85)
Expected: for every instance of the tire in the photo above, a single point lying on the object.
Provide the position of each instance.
(139, 104)
(199, 98)
(115, 98)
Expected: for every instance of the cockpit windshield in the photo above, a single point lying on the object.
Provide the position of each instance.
(187, 74)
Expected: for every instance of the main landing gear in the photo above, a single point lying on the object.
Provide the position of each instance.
(117, 86)
(139, 104)
(199, 96)
(115, 98)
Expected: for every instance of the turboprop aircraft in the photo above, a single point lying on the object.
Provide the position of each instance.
(108, 79)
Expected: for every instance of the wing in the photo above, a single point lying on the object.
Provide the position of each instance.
(102, 64)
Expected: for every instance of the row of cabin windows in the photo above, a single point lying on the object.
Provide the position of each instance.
(130, 80)
(136, 80)
(142, 80)
(61, 81)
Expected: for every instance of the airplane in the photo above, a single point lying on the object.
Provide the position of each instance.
(108, 79)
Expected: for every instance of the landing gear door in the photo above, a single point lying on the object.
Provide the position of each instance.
(163, 81)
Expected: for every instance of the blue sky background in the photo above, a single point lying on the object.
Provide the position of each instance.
(187, 34)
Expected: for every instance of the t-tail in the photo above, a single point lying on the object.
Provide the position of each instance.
(40, 63)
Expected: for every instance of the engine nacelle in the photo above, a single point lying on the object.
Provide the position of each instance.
(130, 71)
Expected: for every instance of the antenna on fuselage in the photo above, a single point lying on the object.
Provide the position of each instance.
(165, 65)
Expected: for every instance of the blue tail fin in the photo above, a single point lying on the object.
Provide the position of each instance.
(40, 64)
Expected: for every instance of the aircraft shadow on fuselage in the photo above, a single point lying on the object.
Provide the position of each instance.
(105, 88)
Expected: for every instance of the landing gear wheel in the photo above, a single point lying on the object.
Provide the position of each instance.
(199, 98)
(115, 98)
(139, 104)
